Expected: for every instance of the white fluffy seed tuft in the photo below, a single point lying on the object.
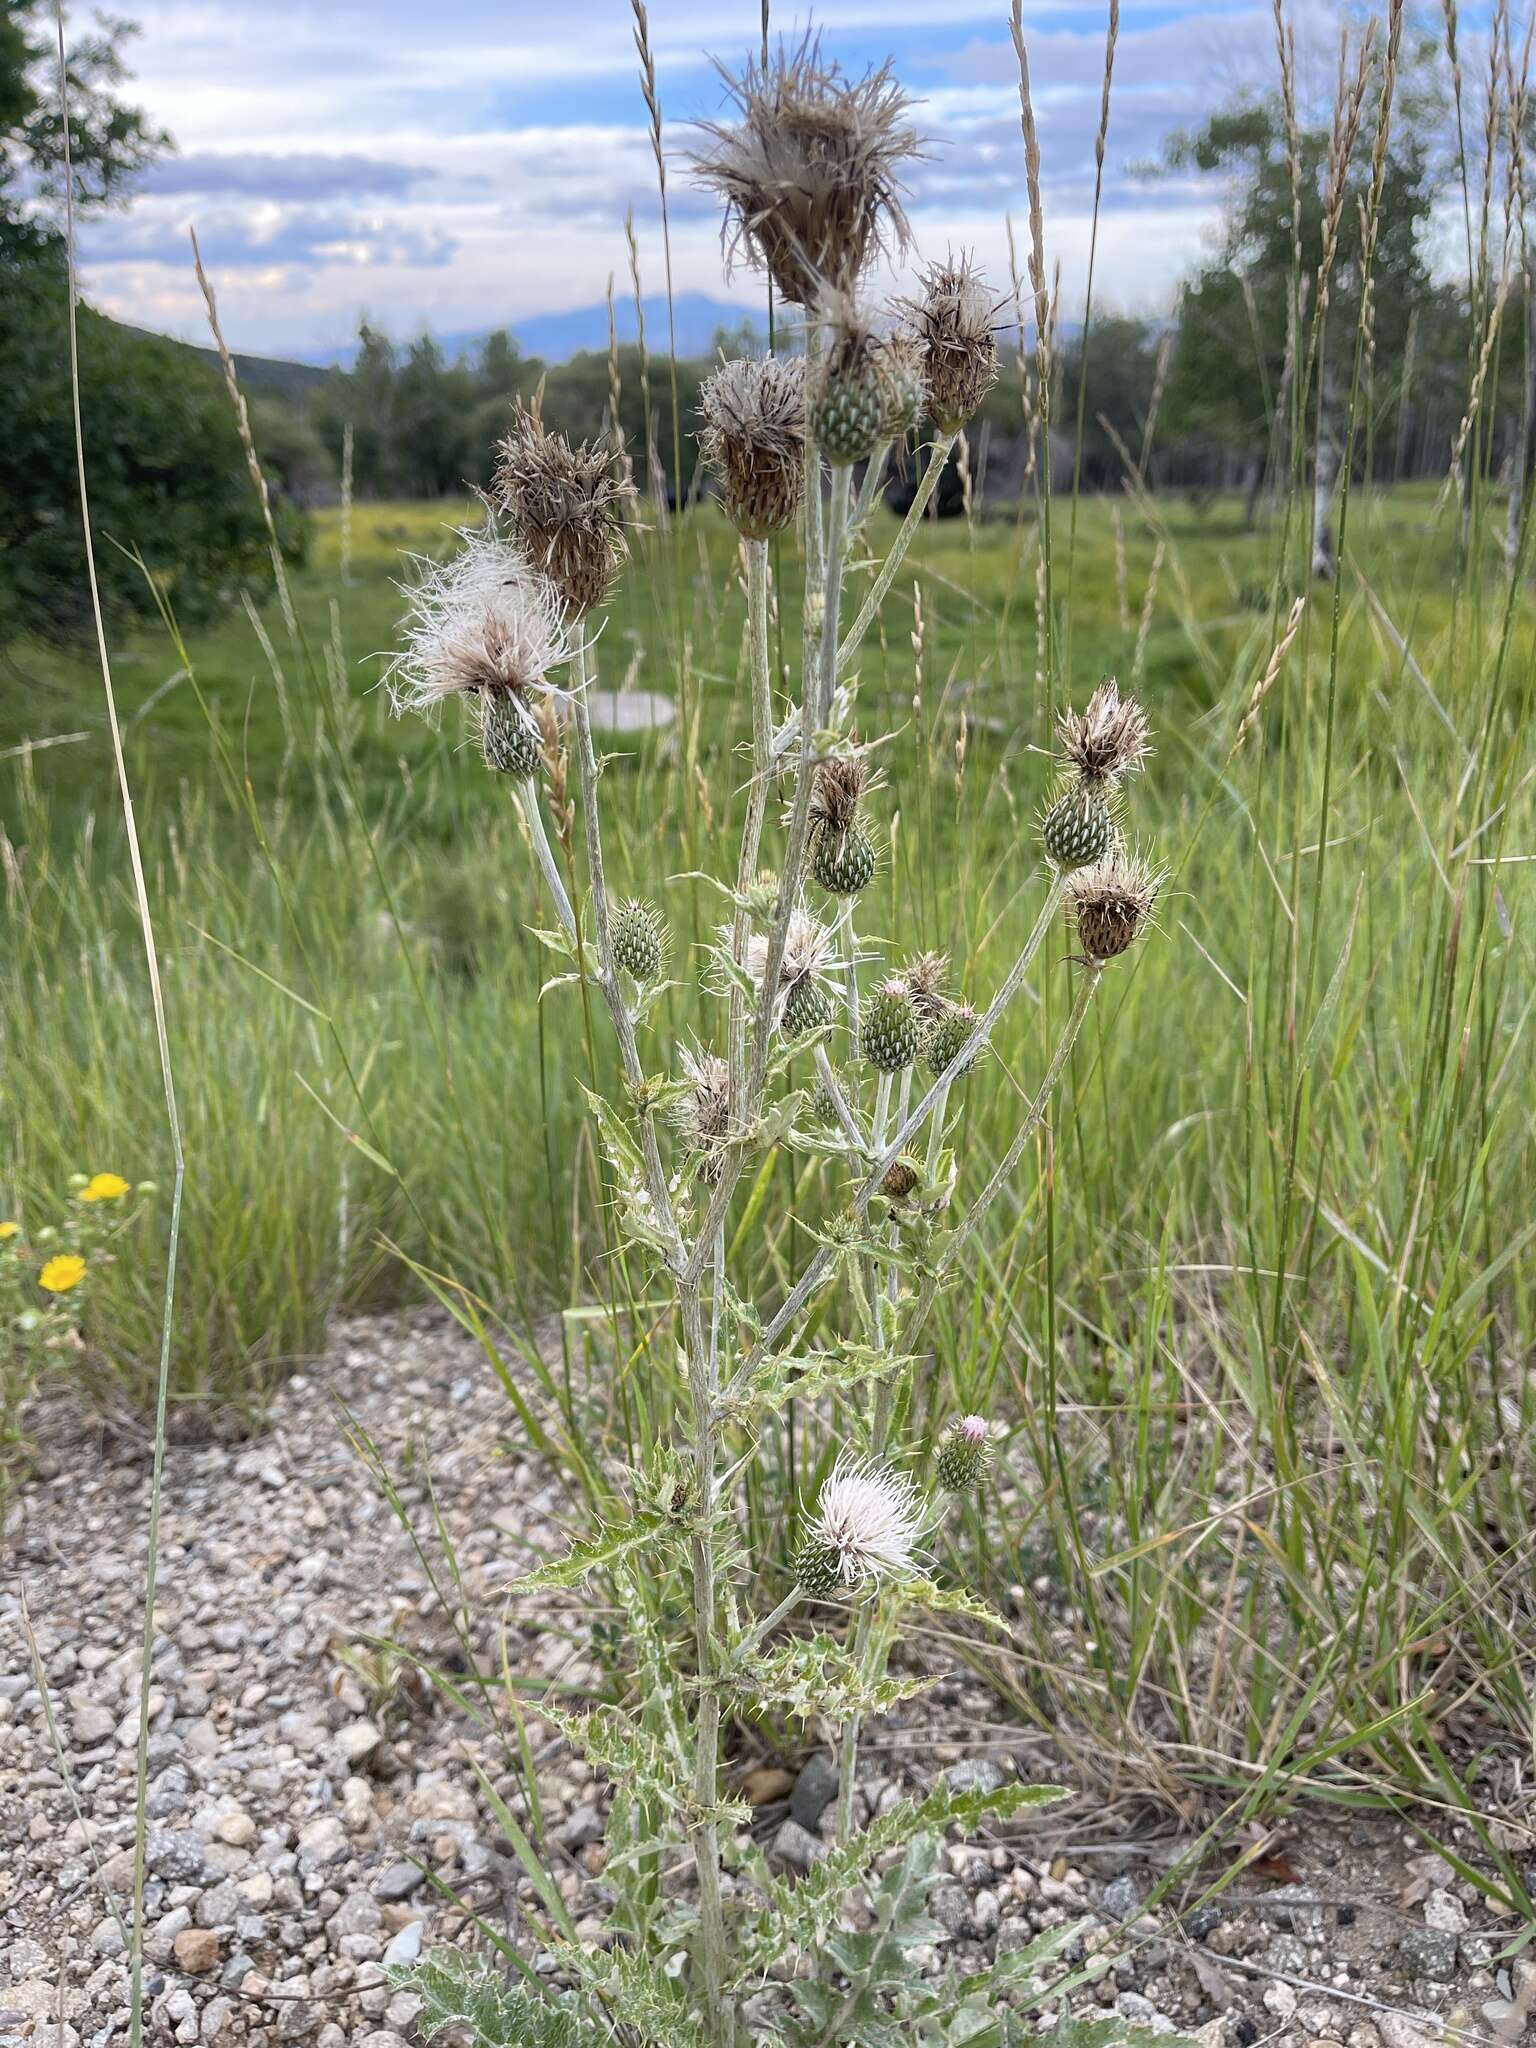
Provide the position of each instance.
(868, 1519)
(484, 620)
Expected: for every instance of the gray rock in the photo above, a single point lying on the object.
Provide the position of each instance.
(797, 1846)
(358, 1913)
(581, 1827)
(815, 1789)
(985, 1912)
(174, 1854)
(1287, 1955)
(974, 1774)
(406, 1946)
(398, 1881)
(219, 1906)
(1122, 1897)
(90, 1724)
(950, 1907)
(1429, 1952)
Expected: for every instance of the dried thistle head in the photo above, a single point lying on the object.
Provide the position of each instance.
(851, 394)
(566, 507)
(902, 1176)
(840, 781)
(754, 440)
(802, 1001)
(809, 171)
(1107, 739)
(486, 627)
(924, 976)
(702, 1112)
(902, 383)
(952, 324)
(1111, 904)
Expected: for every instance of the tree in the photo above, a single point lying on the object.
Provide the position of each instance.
(1236, 362)
(110, 143)
(166, 467)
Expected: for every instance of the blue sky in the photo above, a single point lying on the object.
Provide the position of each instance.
(471, 162)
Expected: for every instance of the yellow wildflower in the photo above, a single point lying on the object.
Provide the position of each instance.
(8, 1229)
(63, 1271)
(104, 1187)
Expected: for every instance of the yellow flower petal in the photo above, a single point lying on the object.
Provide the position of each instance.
(63, 1271)
(104, 1187)
(9, 1229)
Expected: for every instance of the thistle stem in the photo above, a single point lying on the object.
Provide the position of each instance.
(938, 456)
(757, 803)
(748, 1642)
(845, 1115)
(544, 854)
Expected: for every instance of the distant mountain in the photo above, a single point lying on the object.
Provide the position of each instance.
(555, 337)
(281, 377)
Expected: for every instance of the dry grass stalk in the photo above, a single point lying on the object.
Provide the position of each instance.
(1036, 208)
(1271, 675)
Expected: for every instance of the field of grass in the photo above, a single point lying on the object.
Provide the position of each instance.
(1260, 1338)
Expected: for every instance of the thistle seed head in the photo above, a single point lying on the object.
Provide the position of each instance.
(702, 1113)
(803, 1001)
(754, 440)
(965, 1452)
(952, 324)
(901, 373)
(809, 171)
(947, 1035)
(1105, 740)
(484, 626)
(924, 977)
(1077, 829)
(851, 395)
(867, 1524)
(566, 507)
(1111, 904)
(839, 783)
(901, 1177)
(640, 939)
(889, 1032)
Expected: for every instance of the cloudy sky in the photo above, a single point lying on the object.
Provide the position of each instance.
(470, 162)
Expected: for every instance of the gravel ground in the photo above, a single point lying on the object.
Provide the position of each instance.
(300, 1773)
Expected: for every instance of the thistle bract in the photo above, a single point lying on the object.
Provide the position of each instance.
(888, 1028)
(965, 1451)
(843, 864)
(639, 939)
(1076, 830)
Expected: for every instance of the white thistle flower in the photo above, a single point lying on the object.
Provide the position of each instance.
(484, 621)
(866, 1527)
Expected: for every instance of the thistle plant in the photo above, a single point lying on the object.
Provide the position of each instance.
(815, 1043)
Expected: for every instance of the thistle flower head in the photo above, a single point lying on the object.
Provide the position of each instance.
(867, 1524)
(808, 951)
(809, 170)
(952, 324)
(902, 383)
(924, 977)
(565, 505)
(481, 621)
(754, 439)
(851, 393)
(702, 1112)
(965, 1451)
(1111, 904)
(839, 782)
(889, 1030)
(1106, 739)
(948, 1034)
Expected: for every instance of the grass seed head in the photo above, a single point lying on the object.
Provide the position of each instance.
(810, 169)
(754, 440)
(566, 507)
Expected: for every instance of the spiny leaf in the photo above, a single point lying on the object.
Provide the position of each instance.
(813, 1675)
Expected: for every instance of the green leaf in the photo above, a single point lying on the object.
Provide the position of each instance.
(461, 1990)
(801, 1376)
(595, 1554)
(635, 1994)
(811, 1675)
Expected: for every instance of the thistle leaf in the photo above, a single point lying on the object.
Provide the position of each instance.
(459, 1990)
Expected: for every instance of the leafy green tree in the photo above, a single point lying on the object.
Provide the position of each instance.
(1233, 372)
(166, 469)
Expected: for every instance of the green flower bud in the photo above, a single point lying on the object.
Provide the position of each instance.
(639, 939)
(888, 1029)
(1075, 831)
